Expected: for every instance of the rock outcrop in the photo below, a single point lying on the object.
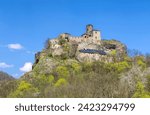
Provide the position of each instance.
(86, 48)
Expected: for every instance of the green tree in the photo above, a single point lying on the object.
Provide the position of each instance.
(140, 91)
(24, 89)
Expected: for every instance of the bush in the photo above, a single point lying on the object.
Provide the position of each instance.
(113, 52)
(24, 89)
(62, 72)
(118, 67)
(76, 67)
(141, 64)
(60, 82)
(61, 41)
(140, 91)
(64, 56)
(148, 83)
(87, 66)
(140, 61)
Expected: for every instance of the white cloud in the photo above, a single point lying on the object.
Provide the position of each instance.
(15, 46)
(27, 67)
(4, 65)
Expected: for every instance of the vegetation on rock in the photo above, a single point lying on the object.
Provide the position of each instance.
(64, 75)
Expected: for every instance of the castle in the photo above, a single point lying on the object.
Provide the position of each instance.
(91, 35)
(87, 47)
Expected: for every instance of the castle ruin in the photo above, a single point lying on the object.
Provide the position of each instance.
(91, 36)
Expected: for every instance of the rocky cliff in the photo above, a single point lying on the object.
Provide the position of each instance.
(107, 51)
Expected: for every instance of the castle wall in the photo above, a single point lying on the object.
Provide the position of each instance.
(91, 36)
(96, 35)
(75, 39)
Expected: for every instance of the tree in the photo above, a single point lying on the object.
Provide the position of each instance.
(140, 91)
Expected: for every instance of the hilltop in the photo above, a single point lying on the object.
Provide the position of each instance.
(6, 84)
(84, 66)
(4, 76)
(88, 47)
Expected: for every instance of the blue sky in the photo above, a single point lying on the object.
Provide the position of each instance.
(26, 24)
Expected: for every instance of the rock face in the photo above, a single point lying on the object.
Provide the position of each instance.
(89, 47)
(110, 49)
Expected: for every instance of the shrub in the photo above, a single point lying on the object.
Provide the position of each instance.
(141, 64)
(62, 72)
(76, 67)
(60, 82)
(87, 66)
(140, 61)
(118, 67)
(50, 79)
(148, 83)
(61, 41)
(113, 52)
(64, 56)
(24, 89)
(140, 91)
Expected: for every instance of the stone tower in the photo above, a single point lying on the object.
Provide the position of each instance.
(89, 28)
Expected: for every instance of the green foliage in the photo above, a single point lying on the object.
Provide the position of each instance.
(148, 83)
(62, 41)
(140, 61)
(42, 80)
(49, 55)
(24, 89)
(46, 79)
(62, 72)
(140, 91)
(141, 64)
(113, 52)
(24, 86)
(66, 47)
(64, 56)
(128, 59)
(6, 87)
(60, 82)
(76, 67)
(87, 66)
(118, 67)
(72, 50)
(50, 79)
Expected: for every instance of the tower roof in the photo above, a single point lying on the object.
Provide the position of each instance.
(89, 25)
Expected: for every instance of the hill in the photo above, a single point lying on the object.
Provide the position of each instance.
(5, 76)
(7, 83)
(84, 66)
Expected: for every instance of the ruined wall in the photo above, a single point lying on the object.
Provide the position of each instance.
(96, 35)
(75, 39)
